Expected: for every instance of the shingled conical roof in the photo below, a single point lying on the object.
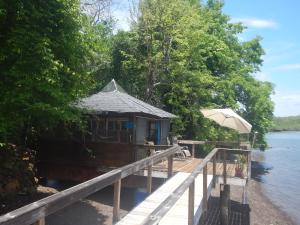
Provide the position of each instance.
(113, 98)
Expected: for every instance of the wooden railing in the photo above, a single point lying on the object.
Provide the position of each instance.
(143, 151)
(37, 211)
(189, 183)
(218, 144)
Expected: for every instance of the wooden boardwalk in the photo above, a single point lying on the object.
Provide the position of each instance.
(178, 214)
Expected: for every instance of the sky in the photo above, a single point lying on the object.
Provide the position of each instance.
(277, 22)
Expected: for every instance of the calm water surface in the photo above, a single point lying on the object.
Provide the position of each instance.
(280, 171)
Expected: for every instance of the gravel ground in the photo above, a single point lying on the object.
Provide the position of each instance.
(263, 211)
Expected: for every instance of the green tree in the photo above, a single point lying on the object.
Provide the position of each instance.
(189, 57)
(43, 59)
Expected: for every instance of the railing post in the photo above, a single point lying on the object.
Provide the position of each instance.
(40, 222)
(116, 204)
(193, 150)
(224, 204)
(191, 204)
(149, 179)
(224, 167)
(170, 166)
(214, 171)
(204, 208)
(249, 165)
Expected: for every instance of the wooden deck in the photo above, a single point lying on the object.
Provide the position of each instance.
(189, 165)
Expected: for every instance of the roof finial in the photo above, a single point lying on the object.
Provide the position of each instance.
(113, 86)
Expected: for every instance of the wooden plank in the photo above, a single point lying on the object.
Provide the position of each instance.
(205, 196)
(214, 171)
(178, 211)
(190, 142)
(170, 166)
(116, 203)
(193, 150)
(149, 179)
(224, 167)
(191, 204)
(140, 212)
(249, 166)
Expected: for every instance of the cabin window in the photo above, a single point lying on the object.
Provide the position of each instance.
(118, 130)
(111, 130)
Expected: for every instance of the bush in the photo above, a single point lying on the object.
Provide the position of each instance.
(16, 170)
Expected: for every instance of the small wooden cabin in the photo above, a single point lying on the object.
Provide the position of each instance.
(119, 127)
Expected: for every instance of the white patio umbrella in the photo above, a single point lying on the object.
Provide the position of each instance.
(228, 118)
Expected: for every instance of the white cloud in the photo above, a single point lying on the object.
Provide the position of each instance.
(121, 12)
(295, 66)
(262, 76)
(256, 23)
(122, 17)
(287, 104)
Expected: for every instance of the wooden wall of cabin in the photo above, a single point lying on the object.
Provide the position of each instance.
(71, 160)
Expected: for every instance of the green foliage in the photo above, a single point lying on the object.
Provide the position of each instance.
(289, 123)
(43, 61)
(177, 58)
(189, 57)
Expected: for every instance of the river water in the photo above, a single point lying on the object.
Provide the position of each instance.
(280, 171)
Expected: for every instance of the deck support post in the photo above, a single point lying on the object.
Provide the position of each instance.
(116, 203)
(193, 150)
(40, 222)
(204, 207)
(214, 171)
(249, 166)
(191, 203)
(170, 166)
(224, 204)
(224, 167)
(149, 179)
